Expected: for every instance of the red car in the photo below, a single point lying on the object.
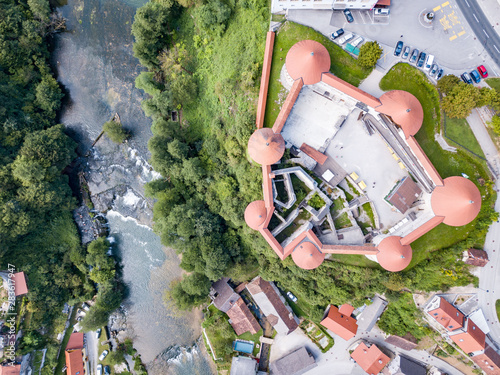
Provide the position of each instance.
(482, 70)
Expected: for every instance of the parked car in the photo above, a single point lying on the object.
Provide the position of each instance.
(99, 369)
(85, 306)
(336, 34)
(348, 16)
(98, 333)
(466, 78)
(428, 62)
(356, 42)
(345, 38)
(406, 52)
(103, 355)
(382, 11)
(398, 49)
(414, 55)
(291, 296)
(421, 59)
(433, 71)
(475, 76)
(107, 370)
(482, 70)
(440, 74)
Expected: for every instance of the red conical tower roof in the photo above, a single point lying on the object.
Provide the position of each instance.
(307, 256)
(404, 109)
(255, 214)
(307, 59)
(393, 256)
(266, 147)
(459, 201)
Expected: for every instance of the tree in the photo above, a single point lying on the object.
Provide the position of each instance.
(447, 83)
(369, 53)
(460, 102)
(175, 60)
(40, 9)
(213, 14)
(49, 95)
(115, 131)
(495, 124)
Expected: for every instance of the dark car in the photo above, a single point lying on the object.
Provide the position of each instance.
(434, 70)
(482, 70)
(107, 370)
(406, 52)
(421, 59)
(414, 55)
(348, 16)
(398, 49)
(440, 74)
(466, 78)
(337, 33)
(475, 76)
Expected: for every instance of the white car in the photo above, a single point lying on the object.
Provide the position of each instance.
(98, 333)
(356, 42)
(345, 38)
(103, 355)
(291, 296)
(382, 11)
(99, 369)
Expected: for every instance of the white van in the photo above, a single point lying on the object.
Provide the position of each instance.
(356, 42)
(382, 11)
(345, 38)
(429, 62)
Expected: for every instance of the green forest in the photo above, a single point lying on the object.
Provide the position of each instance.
(203, 62)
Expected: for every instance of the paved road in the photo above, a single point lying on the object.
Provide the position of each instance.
(481, 27)
(91, 342)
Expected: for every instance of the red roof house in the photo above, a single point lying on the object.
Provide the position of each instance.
(472, 339)
(489, 361)
(242, 319)
(74, 354)
(447, 315)
(10, 370)
(370, 359)
(20, 286)
(476, 257)
(75, 341)
(341, 324)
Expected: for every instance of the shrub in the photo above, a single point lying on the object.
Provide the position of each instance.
(115, 131)
(369, 53)
(316, 201)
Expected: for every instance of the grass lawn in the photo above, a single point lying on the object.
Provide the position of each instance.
(343, 65)
(460, 132)
(369, 211)
(354, 260)
(405, 77)
(497, 306)
(342, 221)
(494, 83)
(61, 361)
(338, 204)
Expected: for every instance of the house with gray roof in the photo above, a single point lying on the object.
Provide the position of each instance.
(243, 366)
(296, 363)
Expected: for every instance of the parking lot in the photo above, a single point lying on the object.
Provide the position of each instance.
(449, 37)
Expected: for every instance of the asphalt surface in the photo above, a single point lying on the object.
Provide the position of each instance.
(478, 22)
(92, 344)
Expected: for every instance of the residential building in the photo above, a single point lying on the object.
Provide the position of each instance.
(296, 363)
(10, 369)
(243, 366)
(340, 321)
(370, 359)
(17, 279)
(411, 367)
(404, 194)
(272, 304)
(445, 314)
(475, 257)
(223, 295)
(470, 339)
(489, 361)
(75, 355)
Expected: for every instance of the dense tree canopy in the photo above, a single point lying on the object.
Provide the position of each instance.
(369, 53)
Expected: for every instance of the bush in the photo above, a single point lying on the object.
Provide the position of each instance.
(369, 53)
(316, 201)
(115, 131)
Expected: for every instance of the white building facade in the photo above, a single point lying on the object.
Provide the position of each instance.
(283, 5)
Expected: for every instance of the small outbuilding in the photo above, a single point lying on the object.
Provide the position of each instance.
(476, 257)
(404, 194)
(296, 363)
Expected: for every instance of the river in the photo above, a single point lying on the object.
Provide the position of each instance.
(95, 63)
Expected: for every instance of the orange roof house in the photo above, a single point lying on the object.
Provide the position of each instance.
(10, 370)
(489, 361)
(447, 315)
(341, 324)
(74, 354)
(75, 341)
(472, 339)
(20, 286)
(370, 359)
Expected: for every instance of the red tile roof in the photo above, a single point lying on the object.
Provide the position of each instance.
(346, 309)
(489, 361)
(287, 106)
(20, 286)
(10, 370)
(307, 59)
(307, 256)
(448, 315)
(264, 80)
(421, 230)
(404, 194)
(472, 340)
(293, 244)
(267, 186)
(313, 153)
(255, 214)
(265, 147)
(350, 90)
(242, 319)
(349, 249)
(75, 341)
(477, 257)
(393, 255)
(342, 325)
(74, 361)
(458, 201)
(404, 109)
(371, 359)
(424, 160)
(400, 342)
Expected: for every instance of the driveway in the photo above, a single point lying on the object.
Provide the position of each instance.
(91, 346)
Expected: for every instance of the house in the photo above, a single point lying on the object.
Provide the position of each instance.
(340, 321)
(241, 318)
(445, 314)
(296, 363)
(400, 342)
(470, 339)
(370, 359)
(243, 366)
(18, 280)
(411, 367)
(10, 370)
(404, 194)
(475, 257)
(75, 354)
(489, 361)
(272, 304)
